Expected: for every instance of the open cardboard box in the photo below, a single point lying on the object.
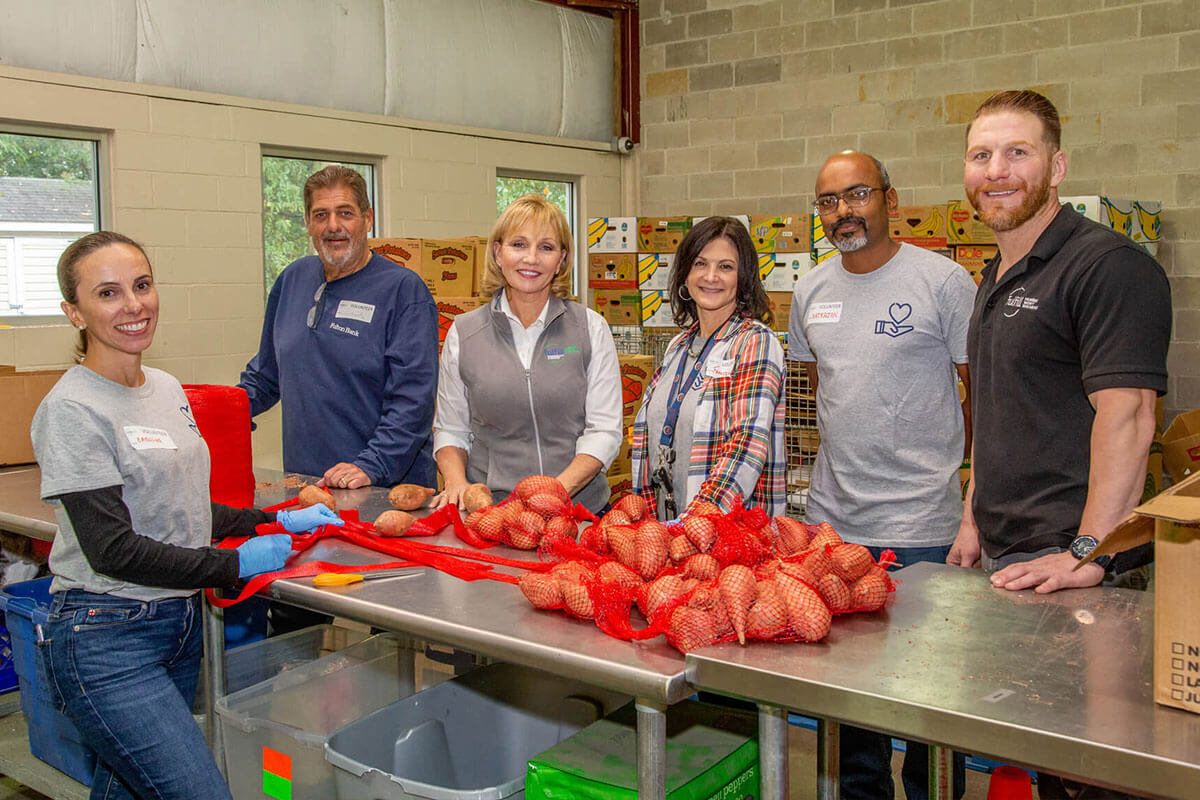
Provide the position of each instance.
(1172, 521)
(1181, 445)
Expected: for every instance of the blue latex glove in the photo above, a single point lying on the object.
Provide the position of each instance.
(308, 519)
(263, 554)
(671, 524)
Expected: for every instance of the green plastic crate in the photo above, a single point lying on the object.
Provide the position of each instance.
(712, 754)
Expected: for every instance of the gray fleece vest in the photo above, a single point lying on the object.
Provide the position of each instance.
(526, 422)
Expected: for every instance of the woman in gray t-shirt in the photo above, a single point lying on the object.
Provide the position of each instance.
(125, 467)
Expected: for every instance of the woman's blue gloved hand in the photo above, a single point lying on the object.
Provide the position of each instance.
(308, 519)
(263, 554)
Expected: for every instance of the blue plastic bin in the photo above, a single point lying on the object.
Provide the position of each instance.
(52, 737)
(8, 668)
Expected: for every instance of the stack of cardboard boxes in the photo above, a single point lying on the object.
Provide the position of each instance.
(612, 269)
(784, 255)
(658, 239)
(451, 268)
(630, 261)
(955, 230)
(1140, 220)
(952, 229)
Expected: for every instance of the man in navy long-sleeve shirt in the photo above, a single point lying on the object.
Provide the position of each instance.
(349, 346)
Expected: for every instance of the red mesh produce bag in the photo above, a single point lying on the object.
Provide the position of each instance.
(711, 578)
(535, 514)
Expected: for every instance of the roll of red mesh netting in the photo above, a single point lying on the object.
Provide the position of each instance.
(222, 413)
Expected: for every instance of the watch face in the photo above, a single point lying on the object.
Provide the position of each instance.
(1082, 545)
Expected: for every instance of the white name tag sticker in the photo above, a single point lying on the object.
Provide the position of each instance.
(824, 312)
(721, 368)
(143, 438)
(349, 309)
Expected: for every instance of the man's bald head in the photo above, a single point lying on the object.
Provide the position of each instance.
(854, 197)
(855, 159)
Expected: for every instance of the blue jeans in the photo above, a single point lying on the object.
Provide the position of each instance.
(866, 756)
(125, 671)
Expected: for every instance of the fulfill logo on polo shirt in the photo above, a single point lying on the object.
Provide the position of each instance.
(1017, 301)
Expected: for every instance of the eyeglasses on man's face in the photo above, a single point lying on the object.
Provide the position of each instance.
(857, 197)
(318, 307)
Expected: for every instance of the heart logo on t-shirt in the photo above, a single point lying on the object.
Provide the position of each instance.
(899, 312)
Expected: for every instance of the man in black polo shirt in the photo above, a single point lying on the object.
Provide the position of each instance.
(1068, 347)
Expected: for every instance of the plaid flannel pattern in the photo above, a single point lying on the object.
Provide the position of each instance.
(737, 441)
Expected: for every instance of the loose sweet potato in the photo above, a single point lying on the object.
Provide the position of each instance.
(476, 497)
(394, 523)
(311, 495)
(409, 496)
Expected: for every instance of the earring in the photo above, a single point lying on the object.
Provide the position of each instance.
(685, 298)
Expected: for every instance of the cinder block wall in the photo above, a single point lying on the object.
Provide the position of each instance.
(744, 100)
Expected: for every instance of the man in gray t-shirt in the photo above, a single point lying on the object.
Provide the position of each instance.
(881, 329)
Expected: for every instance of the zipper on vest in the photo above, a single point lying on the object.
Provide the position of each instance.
(537, 439)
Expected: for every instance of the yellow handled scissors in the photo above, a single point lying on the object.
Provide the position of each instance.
(346, 578)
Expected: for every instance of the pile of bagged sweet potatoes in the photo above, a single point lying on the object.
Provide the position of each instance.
(711, 577)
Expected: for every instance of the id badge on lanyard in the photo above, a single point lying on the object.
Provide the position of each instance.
(660, 480)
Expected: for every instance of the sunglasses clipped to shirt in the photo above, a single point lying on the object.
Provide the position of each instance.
(318, 307)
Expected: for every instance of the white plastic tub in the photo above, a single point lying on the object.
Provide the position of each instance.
(285, 719)
(465, 739)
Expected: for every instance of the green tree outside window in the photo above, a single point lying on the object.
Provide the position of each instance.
(284, 236)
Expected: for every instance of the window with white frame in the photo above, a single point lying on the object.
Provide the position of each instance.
(284, 236)
(559, 191)
(49, 197)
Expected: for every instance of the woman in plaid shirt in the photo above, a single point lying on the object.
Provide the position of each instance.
(711, 423)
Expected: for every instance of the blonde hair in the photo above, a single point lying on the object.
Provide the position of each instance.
(538, 212)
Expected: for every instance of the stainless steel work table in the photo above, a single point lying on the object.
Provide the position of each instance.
(486, 617)
(492, 619)
(21, 508)
(1059, 682)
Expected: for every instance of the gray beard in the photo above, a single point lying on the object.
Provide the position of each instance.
(848, 244)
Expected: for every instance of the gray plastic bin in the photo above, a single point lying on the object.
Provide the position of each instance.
(465, 739)
(275, 730)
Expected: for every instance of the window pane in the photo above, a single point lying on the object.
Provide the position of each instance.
(557, 192)
(284, 236)
(560, 193)
(48, 199)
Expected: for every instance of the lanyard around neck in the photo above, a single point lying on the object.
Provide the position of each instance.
(679, 388)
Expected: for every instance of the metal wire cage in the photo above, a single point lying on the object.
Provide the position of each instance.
(801, 438)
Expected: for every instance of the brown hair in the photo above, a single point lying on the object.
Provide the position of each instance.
(68, 274)
(336, 175)
(535, 210)
(752, 300)
(1030, 102)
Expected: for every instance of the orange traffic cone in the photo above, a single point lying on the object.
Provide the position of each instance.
(1009, 783)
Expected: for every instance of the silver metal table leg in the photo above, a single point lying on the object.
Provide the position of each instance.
(773, 752)
(652, 750)
(828, 757)
(214, 674)
(940, 772)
